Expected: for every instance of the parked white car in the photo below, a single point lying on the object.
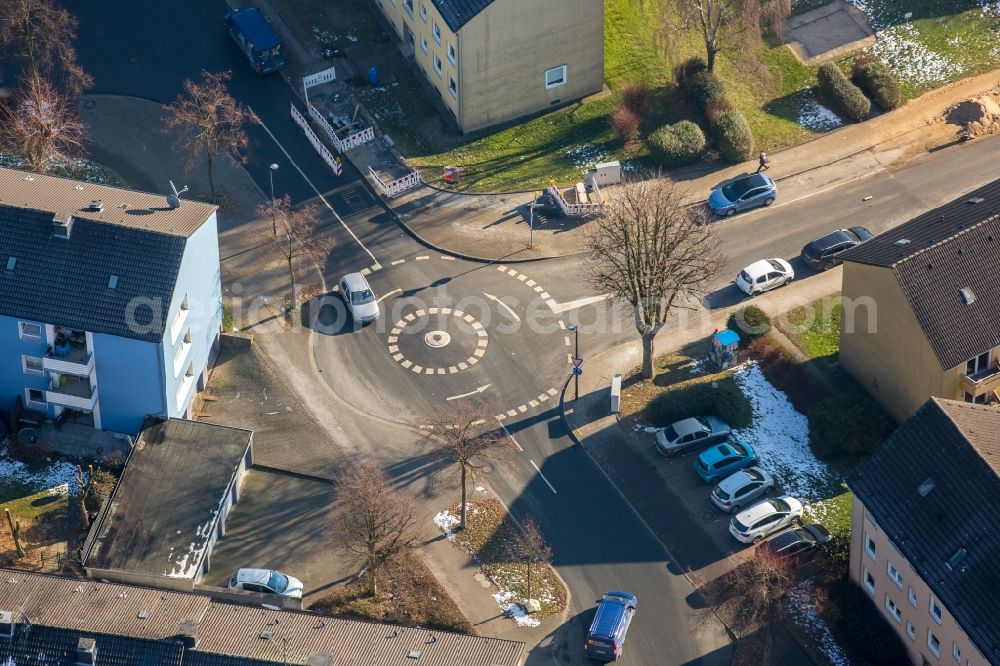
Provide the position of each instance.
(267, 581)
(766, 517)
(764, 275)
(359, 298)
(742, 488)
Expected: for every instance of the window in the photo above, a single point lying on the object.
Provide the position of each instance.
(452, 87)
(913, 598)
(911, 631)
(423, 12)
(408, 5)
(451, 53)
(30, 332)
(869, 581)
(871, 519)
(870, 546)
(893, 609)
(423, 44)
(894, 574)
(437, 64)
(555, 77)
(956, 652)
(436, 32)
(977, 364)
(32, 365)
(35, 397)
(933, 643)
(935, 610)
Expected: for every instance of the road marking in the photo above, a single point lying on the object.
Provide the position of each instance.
(398, 262)
(522, 408)
(393, 339)
(397, 358)
(452, 369)
(533, 403)
(429, 371)
(545, 297)
(552, 392)
(501, 417)
(366, 271)
(480, 352)
(417, 368)
(502, 268)
(522, 277)
(511, 412)
(479, 422)
(512, 273)
(393, 349)
(419, 313)
(566, 340)
(530, 283)
(314, 188)
(503, 305)
(405, 363)
(409, 317)
(385, 296)
(510, 435)
(562, 324)
(447, 258)
(578, 303)
(538, 288)
(422, 257)
(542, 397)
(543, 477)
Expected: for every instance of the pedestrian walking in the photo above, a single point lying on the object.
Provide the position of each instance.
(763, 162)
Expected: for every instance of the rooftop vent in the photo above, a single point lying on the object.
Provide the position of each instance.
(11, 262)
(413, 654)
(86, 652)
(112, 281)
(955, 559)
(902, 241)
(968, 296)
(62, 225)
(320, 659)
(925, 487)
(143, 614)
(188, 633)
(975, 200)
(95, 206)
(6, 624)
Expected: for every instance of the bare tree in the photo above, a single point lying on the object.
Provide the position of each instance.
(210, 121)
(462, 436)
(531, 547)
(296, 235)
(654, 252)
(41, 124)
(39, 35)
(749, 594)
(372, 519)
(727, 25)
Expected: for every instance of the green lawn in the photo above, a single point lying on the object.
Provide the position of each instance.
(834, 514)
(814, 328)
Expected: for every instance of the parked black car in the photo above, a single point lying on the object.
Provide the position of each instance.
(798, 541)
(822, 253)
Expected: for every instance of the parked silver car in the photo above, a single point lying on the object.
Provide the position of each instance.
(359, 298)
(742, 488)
(766, 517)
(266, 581)
(688, 434)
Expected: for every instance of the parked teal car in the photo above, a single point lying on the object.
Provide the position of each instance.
(720, 461)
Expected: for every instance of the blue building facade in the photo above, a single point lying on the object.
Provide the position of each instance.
(110, 301)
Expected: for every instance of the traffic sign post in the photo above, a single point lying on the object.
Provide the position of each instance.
(577, 371)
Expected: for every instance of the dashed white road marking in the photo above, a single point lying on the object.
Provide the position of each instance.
(562, 324)
(511, 412)
(422, 257)
(542, 397)
(366, 271)
(522, 408)
(387, 295)
(533, 403)
(503, 305)
(566, 340)
(552, 392)
(447, 258)
(543, 477)
(398, 262)
(507, 432)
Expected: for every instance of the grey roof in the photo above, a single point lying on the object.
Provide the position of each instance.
(167, 502)
(934, 257)
(956, 446)
(66, 281)
(457, 13)
(228, 634)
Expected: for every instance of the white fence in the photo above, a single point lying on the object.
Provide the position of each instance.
(324, 152)
(577, 209)
(316, 79)
(393, 188)
(342, 145)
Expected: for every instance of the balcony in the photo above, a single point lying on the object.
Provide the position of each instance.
(982, 383)
(75, 361)
(75, 392)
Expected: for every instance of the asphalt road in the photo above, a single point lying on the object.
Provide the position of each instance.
(149, 49)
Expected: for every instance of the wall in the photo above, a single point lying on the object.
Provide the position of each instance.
(506, 49)
(128, 381)
(199, 278)
(145, 580)
(895, 363)
(948, 632)
(13, 381)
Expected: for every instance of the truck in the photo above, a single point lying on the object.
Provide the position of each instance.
(256, 39)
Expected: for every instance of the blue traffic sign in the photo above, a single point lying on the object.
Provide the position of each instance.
(578, 371)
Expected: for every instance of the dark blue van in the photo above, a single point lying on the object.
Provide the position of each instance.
(256, 39)
(607, 632)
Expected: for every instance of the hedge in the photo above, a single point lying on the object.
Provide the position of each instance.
(847, 424)
(846, 98)
(100, 490)
(732, 136)
(675, 145)
(704, 88)
(697, 397)
(750, 323)
(875, 79)
(684, 71)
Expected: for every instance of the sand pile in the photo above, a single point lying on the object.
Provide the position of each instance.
(983, 112)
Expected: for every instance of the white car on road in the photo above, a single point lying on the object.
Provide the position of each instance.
(766, 517)
(763, 275)
(359, 297)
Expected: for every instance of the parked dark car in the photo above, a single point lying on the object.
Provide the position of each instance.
(822, 253)
(797, 542)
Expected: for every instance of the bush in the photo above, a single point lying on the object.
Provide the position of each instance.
(677, 145)
(634, 97)
(625, 122)
(732, 136)
(704, 88)
(847, 424)
(750, 323)
(684, 71)
(697, 397)
(875, 79)
(100, 491)
(846, 98)
(862, 629)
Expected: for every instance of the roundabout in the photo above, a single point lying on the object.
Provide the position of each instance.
(438, 356)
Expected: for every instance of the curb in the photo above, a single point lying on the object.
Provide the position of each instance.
(287, 472)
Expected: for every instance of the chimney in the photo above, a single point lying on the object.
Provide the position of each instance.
(61, 225)
(6, 625)
(189, 634)
(86, 652)
(320, 659)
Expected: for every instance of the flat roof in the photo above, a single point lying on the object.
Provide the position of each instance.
(168, 500)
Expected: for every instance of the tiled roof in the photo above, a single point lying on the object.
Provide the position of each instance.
(457, 13)
(67, 282)
(937, 255)
(138, 210)
(167, 502)
(933, 487)
(227, 634)
(51, 646)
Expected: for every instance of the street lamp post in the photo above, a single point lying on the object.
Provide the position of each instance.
(274, 224)
(576, 355)
(531, 220)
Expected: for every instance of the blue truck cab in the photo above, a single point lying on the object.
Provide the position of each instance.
(256, 39)
(611, 621)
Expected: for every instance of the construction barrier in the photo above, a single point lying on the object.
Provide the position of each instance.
(393, 188)
(332, 161)
(577, 209)
(316, 79)
(342, 145)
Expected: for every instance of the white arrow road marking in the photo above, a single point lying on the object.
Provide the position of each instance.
(503, 305)
(385, 296)
(466, 395)
(578, 303)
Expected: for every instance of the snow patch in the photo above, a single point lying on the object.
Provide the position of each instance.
(446, 521)
(586, 155)
(58, 476)
(900, 48)
(804, 614)
(514, 610)
(816, 117)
